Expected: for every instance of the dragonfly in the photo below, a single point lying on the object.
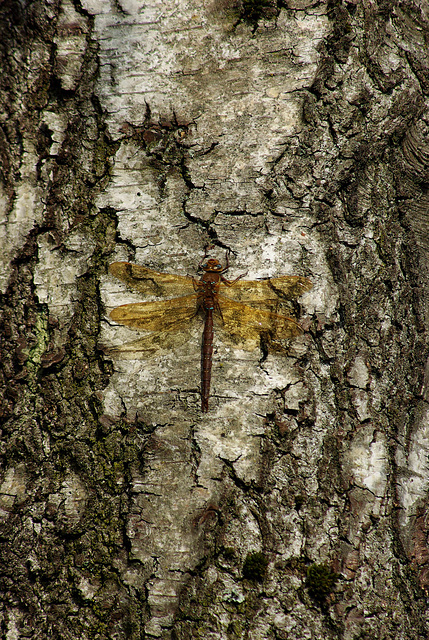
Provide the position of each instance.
(245, 311)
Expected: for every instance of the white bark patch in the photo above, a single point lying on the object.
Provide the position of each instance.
(367, 458)
(69, 502)
(25, 213)
(56, 122)
(413, 484)
(226, 439)
(358, 375)
(57, 269)
(12, 490)
(70, 43)
(73, 497)
(360, 401)
(14, 624)
(87, 589)
(413, 464)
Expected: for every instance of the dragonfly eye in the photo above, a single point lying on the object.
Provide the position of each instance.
(212, 265)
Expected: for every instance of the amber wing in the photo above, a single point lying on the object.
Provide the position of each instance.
(169, 321)
(245, 324)
(150, 282)
(151, 345)
(164, 315)
(262, 292)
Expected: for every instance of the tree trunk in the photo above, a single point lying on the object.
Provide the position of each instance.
(293, 134)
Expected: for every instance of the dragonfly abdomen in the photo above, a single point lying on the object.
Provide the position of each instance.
(206, 359)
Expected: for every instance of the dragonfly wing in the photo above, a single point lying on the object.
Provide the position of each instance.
(246, 324)
(162, 316)
(169, 322)
(264, 291)
(150, 345)
(150, 282)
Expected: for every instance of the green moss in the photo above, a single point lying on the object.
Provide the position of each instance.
(235, 630)
(255, 566)
(228, 553)
(254, 10)
(320, 581)
(41, 333)
(250, 11)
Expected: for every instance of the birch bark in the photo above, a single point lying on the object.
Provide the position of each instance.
(295, 135)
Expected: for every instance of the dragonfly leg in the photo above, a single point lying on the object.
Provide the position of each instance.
(226, 267)
(206, 253)
(230, 283)
(196, 284)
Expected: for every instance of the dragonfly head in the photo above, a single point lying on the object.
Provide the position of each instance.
(212, 265)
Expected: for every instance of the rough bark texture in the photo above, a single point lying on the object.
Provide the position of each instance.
(296, 134)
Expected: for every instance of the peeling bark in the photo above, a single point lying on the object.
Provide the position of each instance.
(294, 134)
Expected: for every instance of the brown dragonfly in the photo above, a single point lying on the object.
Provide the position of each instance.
(246, 310)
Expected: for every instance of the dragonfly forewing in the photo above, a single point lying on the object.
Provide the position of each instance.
(150, 282)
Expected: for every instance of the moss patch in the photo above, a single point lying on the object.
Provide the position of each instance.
(320, 581)
(255, 566)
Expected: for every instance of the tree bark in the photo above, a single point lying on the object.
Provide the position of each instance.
(294, 134)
